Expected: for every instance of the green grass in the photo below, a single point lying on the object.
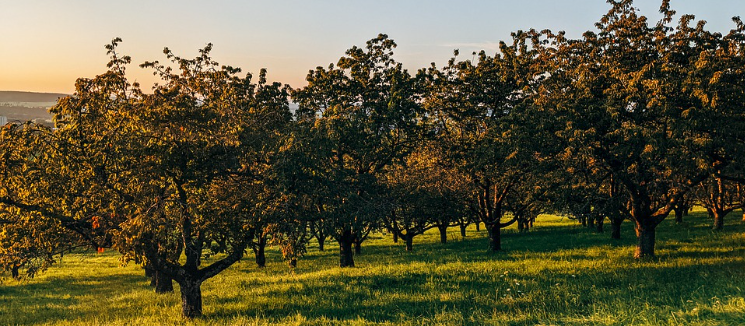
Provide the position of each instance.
(556, 274)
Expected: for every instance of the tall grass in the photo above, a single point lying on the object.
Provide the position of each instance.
(557, 273)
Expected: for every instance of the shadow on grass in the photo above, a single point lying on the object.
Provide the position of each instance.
(50, 300)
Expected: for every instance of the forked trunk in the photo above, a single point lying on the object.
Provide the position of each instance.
(191, 298)
(616, 228)
(163, 282)
(646, 235)
(443, 233)
(495, 237)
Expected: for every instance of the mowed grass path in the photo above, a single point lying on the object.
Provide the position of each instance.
(556, 274)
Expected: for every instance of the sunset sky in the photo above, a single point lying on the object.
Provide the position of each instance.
(46, 45)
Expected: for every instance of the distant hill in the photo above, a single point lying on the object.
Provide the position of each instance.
(16, 96)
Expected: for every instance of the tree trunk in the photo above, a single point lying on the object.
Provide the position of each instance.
(346, 257)
(599, 224)
(463, 230)
(357, 246)
(478, 224)
(191, 298)
(150, 273)
(409, 238)
(590, 222)
(293, 263)
(583, 221)
(163, 282)
(14, 273)
(321, 241)
(259, 252)
(616, 228)
(679, 214)
(520, 225)
(718, 220)
(395, 237)
(443, 233)
(646, 235)
(495, 237)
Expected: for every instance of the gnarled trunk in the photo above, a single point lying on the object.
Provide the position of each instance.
(191, 298)
(443, 233)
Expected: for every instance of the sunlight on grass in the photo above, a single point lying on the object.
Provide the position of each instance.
(558, 273)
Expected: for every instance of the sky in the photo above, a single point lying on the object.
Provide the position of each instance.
(45, 45)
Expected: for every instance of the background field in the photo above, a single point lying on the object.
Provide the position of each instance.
(558, 273)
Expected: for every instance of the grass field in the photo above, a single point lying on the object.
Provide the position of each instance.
(556, 274)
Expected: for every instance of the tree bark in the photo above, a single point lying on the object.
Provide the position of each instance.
(395, 237)
(590, 222)
(14, 271)
(679, 214)
(718, 220)
(259, 252)
(599, 224)
(646, 235)
(463, 230)
(357, 246)
(191, 298)
(520, 225)
(163, 282)
(321, 241)
(409, 238)
(346, 257)
(616, 228)
(495, 237)
(478, 224)
(443, 233)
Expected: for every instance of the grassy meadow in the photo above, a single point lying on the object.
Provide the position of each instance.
(559, 273)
